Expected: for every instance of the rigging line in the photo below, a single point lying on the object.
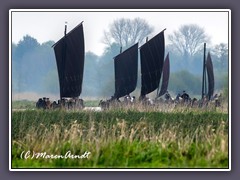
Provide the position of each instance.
(203, 77)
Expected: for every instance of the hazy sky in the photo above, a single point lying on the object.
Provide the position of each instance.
(45, 26)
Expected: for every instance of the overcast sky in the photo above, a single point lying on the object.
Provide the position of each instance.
(45, 26)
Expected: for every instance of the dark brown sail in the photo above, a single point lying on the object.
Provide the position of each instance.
(69, 53)
(210, 75)
(126, 68)
(165, 77)
(152, 57)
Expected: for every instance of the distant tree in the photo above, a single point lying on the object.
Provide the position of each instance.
(225, 88)
(90, 76)
(221, 52)
(14, 47)
(48, 43)
(32, 62)
(126, 32)
(111, 51)
(28, 44)
(184, 80)
(50, 83)
(105, 70)
(188, 40)
(179, 62)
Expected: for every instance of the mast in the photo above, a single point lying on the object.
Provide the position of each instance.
(65, 31)
(204, 76)
(64, 52)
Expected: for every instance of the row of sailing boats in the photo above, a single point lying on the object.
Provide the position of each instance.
(70, 51)
(152, 68)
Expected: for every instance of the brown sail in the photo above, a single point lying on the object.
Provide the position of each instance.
(126, 68)
(165, 77)
(152, 57)
(69, 53)
(210, 76)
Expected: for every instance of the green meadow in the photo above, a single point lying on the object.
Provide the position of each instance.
(120, 139)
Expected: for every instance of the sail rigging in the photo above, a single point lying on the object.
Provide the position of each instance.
(165, 76)
(69, 53)
(210, 76)
(126, 68)
(152, 57)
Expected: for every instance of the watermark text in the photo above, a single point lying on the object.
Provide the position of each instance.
(45, 155)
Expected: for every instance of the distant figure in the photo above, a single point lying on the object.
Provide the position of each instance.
(178, 97)
(215, 96)
(113, 99)
(39, 103)
(146, 100)
(129, 99)
(48, 103)
(216, 100)
(194, 102)
(204, 101)
(133, 99)
(167, 96)
(70, 103)
(142, 98)
(80, 103)
(63, 103)
(44, 105)
(185, 96)
(104, 104)
(54, 105)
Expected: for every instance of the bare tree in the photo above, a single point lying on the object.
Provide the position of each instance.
(188, 40)
(126, 32)
(221, 51)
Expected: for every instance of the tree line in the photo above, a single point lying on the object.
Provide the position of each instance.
(34, 68)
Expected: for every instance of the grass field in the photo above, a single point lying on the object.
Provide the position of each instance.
(121, 139)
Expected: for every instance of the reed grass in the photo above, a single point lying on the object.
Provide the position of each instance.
(122, 139)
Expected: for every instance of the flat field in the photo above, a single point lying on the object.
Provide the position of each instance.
(120, 138)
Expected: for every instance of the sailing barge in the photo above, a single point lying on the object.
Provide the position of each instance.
(126, 68)
(69, 53)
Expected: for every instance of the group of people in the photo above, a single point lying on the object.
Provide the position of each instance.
(43, 103)
(182, 99)
(72, 103)
(116, 102)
